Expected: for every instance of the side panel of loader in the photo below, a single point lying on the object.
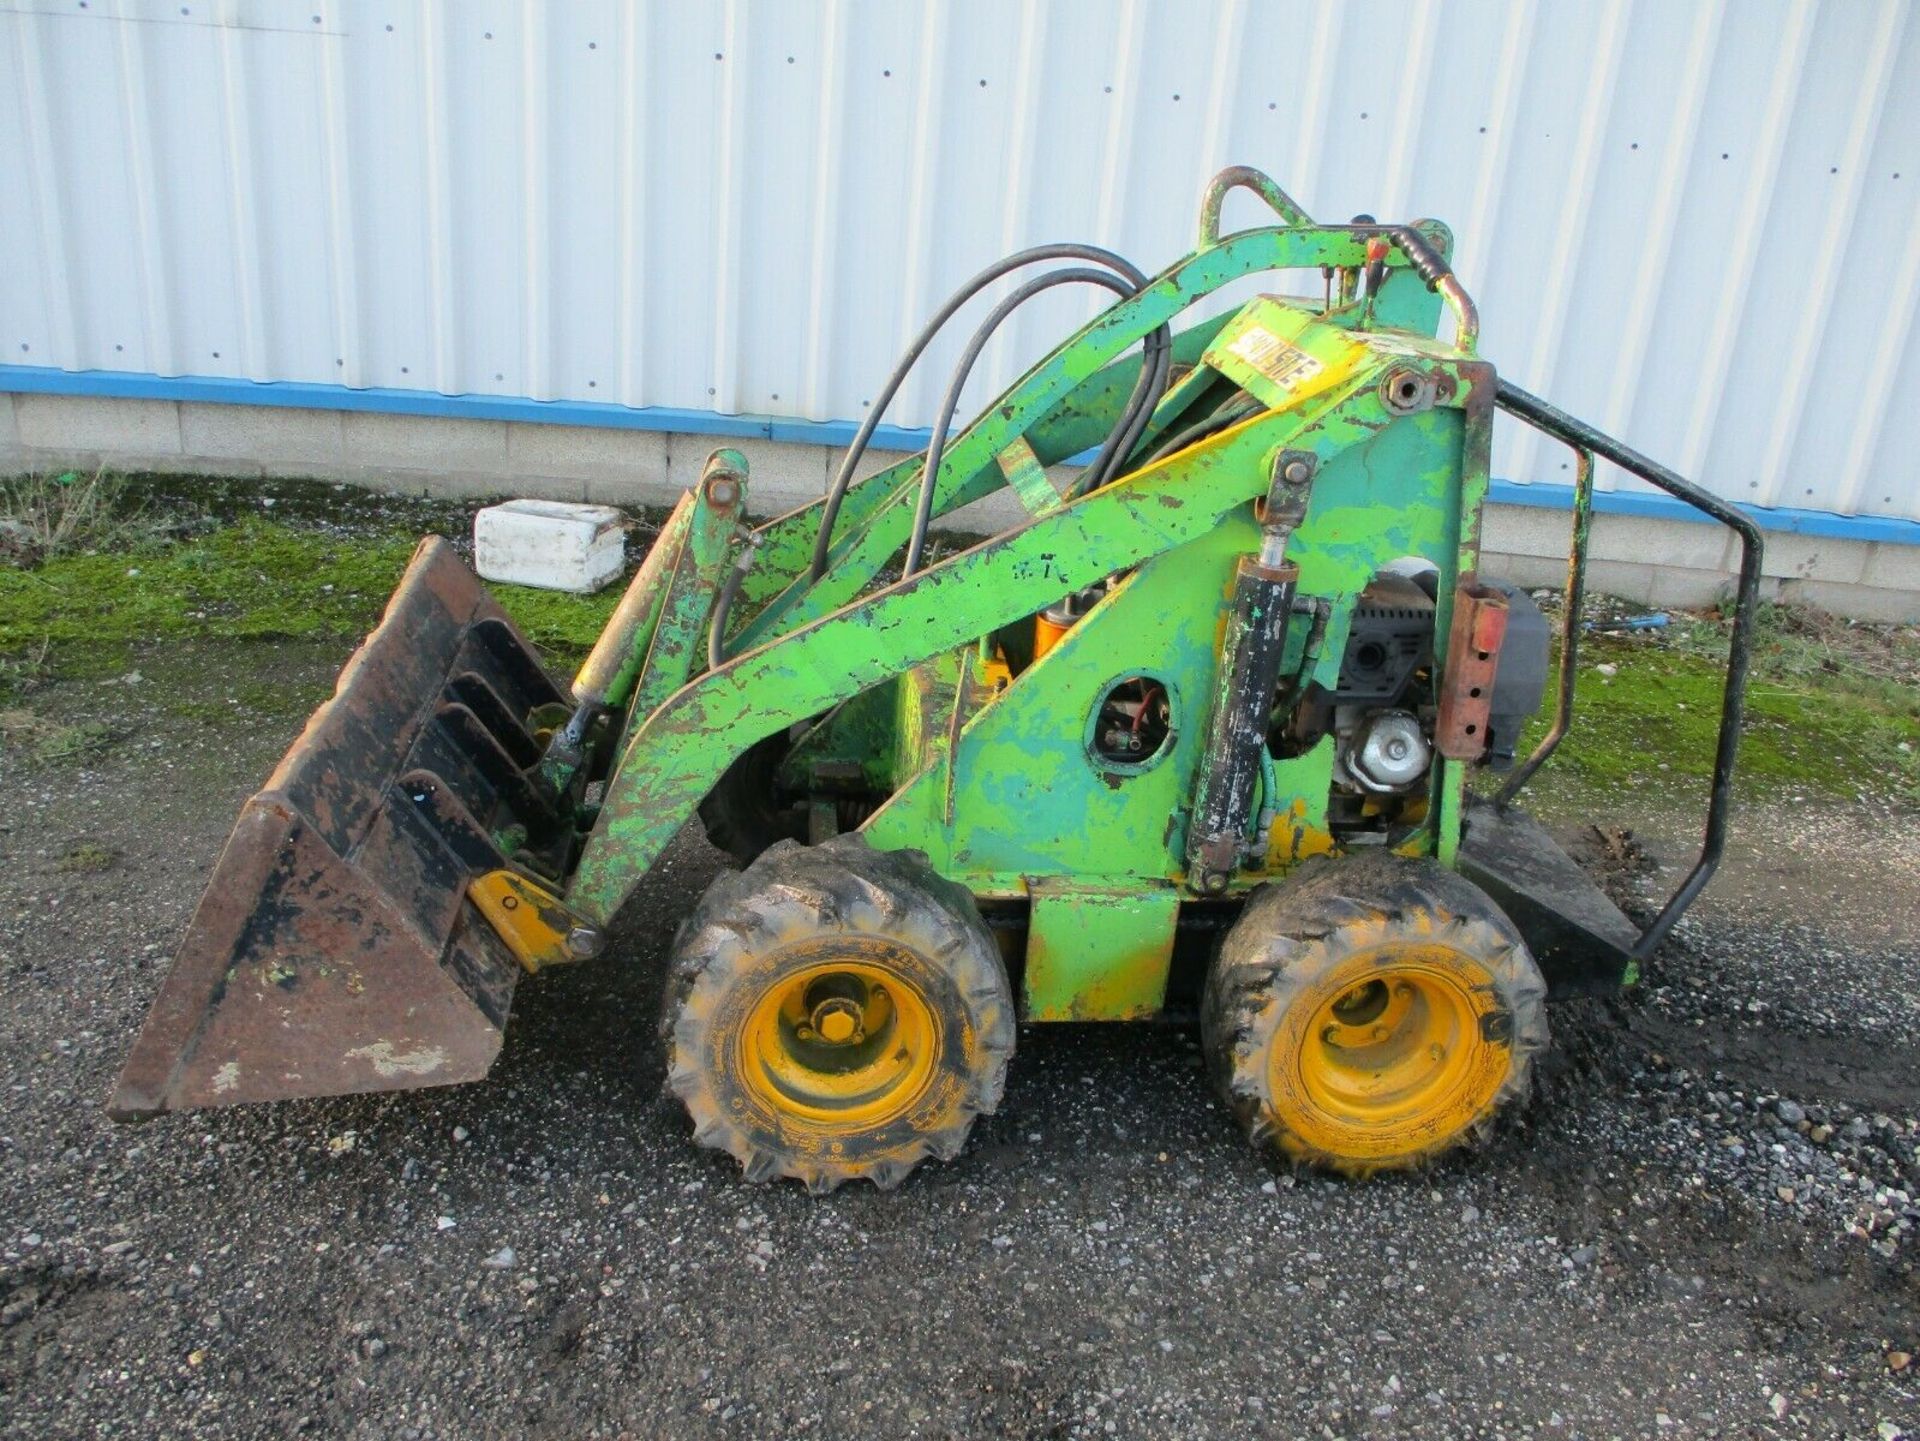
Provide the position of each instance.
(1024, 753)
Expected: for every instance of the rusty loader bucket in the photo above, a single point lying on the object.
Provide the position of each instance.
(336, 949)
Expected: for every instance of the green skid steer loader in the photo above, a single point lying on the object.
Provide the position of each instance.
(1200, 733)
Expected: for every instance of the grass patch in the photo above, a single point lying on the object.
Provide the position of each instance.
(200, 712)
(51, 742)
(86, 859)
(21, 673)
(43, 517)
(1803, 646)
(252, 579)
(247, 580)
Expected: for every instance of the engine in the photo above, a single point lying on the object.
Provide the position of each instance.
(1381, 713)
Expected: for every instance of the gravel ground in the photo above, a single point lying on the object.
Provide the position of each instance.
(1704, 1225)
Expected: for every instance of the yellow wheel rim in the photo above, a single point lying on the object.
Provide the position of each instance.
(842, 1044)
(1393, 1056)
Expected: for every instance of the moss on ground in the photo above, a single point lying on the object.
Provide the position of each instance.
(255, 578)
(299, 572)
(1656, 720)
(52, 742)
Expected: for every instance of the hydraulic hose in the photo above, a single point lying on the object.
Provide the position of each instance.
(717, 621)
(843, 478)
(729, 593)
(937, 445)
(1232, 413)
(1267, 811)
(1155, 368)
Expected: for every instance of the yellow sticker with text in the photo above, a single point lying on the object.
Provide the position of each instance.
(1289, 365)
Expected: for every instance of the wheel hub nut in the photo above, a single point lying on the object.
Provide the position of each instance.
(837, 1021)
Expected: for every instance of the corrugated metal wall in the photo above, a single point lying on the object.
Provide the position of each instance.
(1696, 222)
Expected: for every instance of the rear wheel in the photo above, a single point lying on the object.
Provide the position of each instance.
(1372, 1015)
(836, 1013)
(743, 814)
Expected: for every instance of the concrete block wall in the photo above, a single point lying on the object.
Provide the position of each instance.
(1651, 561)
(416, 454)
(1683, 563)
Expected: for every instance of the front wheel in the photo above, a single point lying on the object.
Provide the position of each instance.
(836, 1013)
(1372, 1014)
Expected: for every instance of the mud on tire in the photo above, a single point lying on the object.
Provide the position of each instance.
(835, 1013)
(1371, 1014)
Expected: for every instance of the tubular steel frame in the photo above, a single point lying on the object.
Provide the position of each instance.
(1587, 442)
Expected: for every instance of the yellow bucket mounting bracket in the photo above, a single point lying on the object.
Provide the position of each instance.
(535, 923)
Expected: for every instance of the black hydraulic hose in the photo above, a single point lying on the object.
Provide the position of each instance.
(729, 593)
(937, 445)
(843, 478)
(1156, 366)
(1228, 415)
(717, 622)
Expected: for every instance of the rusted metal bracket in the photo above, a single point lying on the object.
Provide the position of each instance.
(535, 923)
(1473, 656)
(1285, 505)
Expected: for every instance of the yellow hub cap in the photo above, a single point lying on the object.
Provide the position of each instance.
(1393, 1055)
(842, 1044)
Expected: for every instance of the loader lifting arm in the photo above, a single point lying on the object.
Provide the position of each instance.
(677, 753)
(408, 791)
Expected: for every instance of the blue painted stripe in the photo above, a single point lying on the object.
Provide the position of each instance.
(1823, 524)
(302, 395)
(385, 400)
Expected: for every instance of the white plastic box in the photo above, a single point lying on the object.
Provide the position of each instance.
(552, 544)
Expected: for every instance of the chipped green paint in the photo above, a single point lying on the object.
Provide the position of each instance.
(926, 700)
(1078, 423)
(1448, 781)
(1000, 788)
(1025, 755)
(618, 656)
(675, 754)
(968, 470)
(1028, 478)
(1098, 954)
(680, 631)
